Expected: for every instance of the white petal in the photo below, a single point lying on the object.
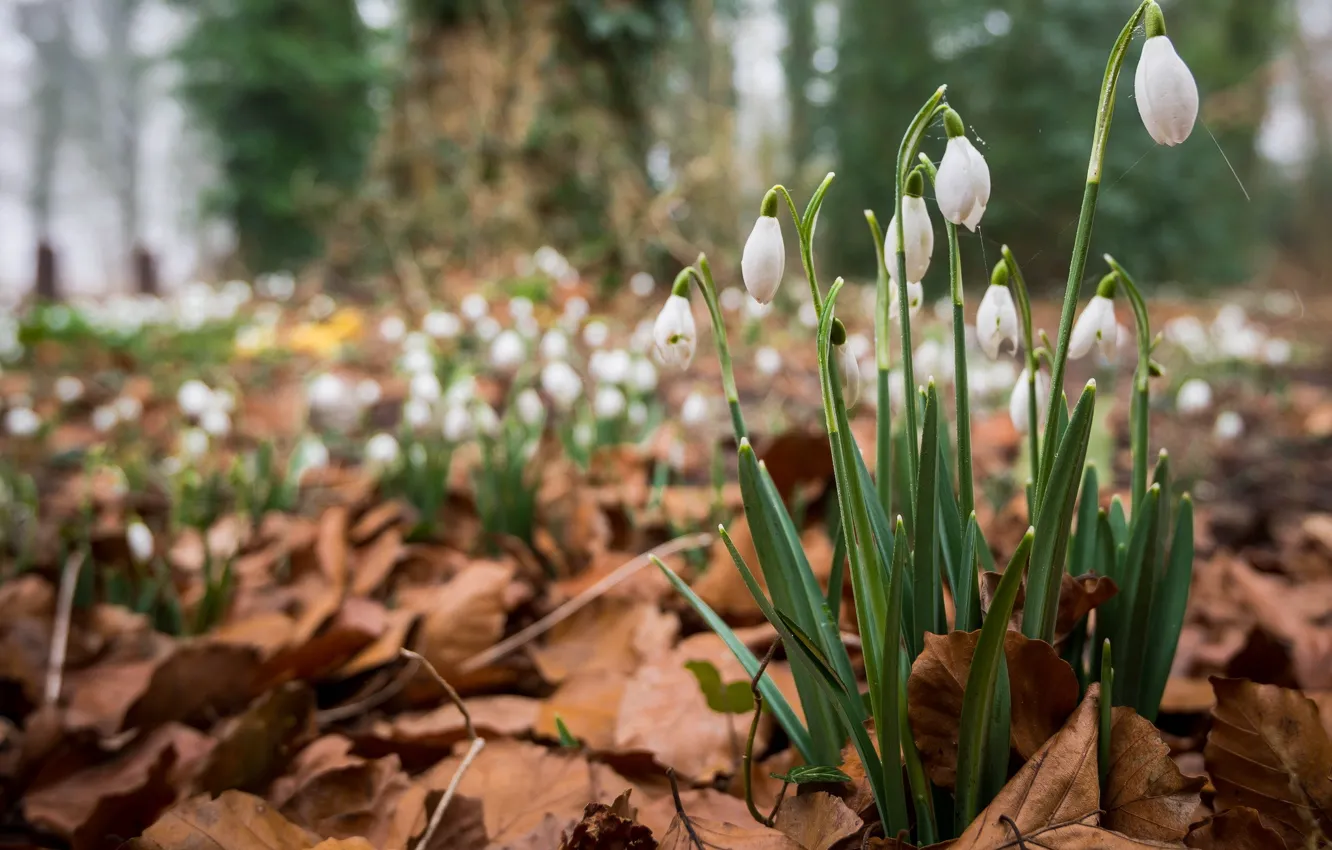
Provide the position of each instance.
(849, 369)
(962, 188)
(1166, 92)
(918, 234)
(764, 259)
(1086, 328)
(1017, 403)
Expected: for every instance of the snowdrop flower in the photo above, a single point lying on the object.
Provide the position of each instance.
(484, 419)
(326, 392)
(520, 306)
(382, 450)
(1276, 352)
(392, 328)
(139, 539)
(764, 258)
(456, 425)
(732, 299)
(417, 361)
(674, 334)
(1018, 401)
(310, 454)
(487, 328)
(930, 358)
(768, 361)
(194, 443)
(561, 383)
(529, 407)
(368, 392)
(609, 402)
(694, 411)
(104, 418)
(1097, 323)
(425, 386)
(22, 422)
(849, 372)
(638, 414)
(1188, 333)
(474, 307)
(643, 376)
(1229, 425)
(997, 318)
(508, 351)
(442, 324)
(611, 367)
(962, 188)
(641, 341)
(461, 391)
(128, 408)
(1244, 343)
(583, 434)
(554, 345)
(215, 422)
(595, 334)
(194, 397)
(1194, 396)
(68, 389)
(576, 309)
(642, 284)
(915, 297)
(416, 413)
(1164, 87)
(917, 233)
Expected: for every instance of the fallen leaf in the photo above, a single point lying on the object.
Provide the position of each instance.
(609, 636)
(612, 827)
(1078, 597)
(356, 624)
(1234, 829)
(1187, 696)
(463, 826)
(817, 821)
(461, 618)
(375, 562)
(386, 649)
(255, 745)
(1043, 686)
(381, 517)
(721, 834)
(268, 632)
(708, 803)
(234, 821)
(588, 704)
(1268, 750)
(430, 735)
(331, 545)
(1146, 795)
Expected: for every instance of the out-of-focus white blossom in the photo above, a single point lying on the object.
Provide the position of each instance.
(139, 539)
(22, 422)
(695, 409)
(68, 389)
(474, 306)
(1229, 425)
(508, 351)
(609, 402)
(441, 324)
(382, 450)
(595, 334)
(561, 383)
(392, 328)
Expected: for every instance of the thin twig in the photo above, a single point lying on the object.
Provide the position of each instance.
(781, 795)
(55, 667)
(1011, 824)
(478, 743)
(568, 609)
(453, 695)
(747, 761)
(679, 809)
(374, 700)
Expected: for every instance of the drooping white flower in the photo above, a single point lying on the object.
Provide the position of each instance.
(461, 391)
(918, 236)
(1166, 92)
(695, 409)
(1229, 425)
(441, 324)
(643, 376)
(327, 392)
(382, 450)
(609, 402)
(611, 366)
(417, 360)
(508, 351)
(368, 392)
(392, 328)
(996, 321)
(68, 389)
(962, 188)
(104, 418)
(456, 424)
(22, 422)
(139, 539)
(595, 334)
(416, 413)
(555, 345)
(637, 414)
(1018, 401)
(194, 397)
(1276, 352)
(484, 419)
(675, 335)
(561, 383)
(915, 297)
(764, 259)
(530, 407)
(474, 306)
(425, 386)
(215, 422)
(1096, 325)
(1194, 396)
(849, 371)
(487, 328)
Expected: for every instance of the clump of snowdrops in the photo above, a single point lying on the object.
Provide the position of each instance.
(898, 557)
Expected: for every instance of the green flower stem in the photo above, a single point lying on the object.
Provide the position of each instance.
(906, 156)
(703, 277)
(805, 232)
(1019, 284)
(1105, 111)
(883, 358)
(1140, 413)
(965, 483)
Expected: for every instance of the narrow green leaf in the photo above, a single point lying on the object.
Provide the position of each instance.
(1167, 618)
(978, 696)
(567, 740)
(951, 530)
(1137, 569)
(1119, 521)
(723, 698)
(967, 594)
(928, 601)
(772, 696)
(1106, 714)
(808, 773)
(1083, 549)
(837, 573)
(892, 687)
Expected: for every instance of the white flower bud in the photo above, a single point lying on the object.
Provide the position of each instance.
(915, 297)
(1194, 396)
(764, 259)
(996, 321)
(68, 389)
(609, 402)
(139, 539)
(474, 306)
(381, 450)
(194, 397)
(530, 408)
(554, 345)
(1017, 403)
(561, 383)
(849, 372)
(104, 418)
(918, 234)
(22, 422)
(508, 351)
(674, 334)
(962, 188)
(1096, 325)
(1166, 92)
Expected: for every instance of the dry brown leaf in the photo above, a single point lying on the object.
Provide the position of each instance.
(663, 698)
(612, 827)
(255, 745)
(461, 618)
(381, 517)
(120, 796)
(1268, 750)
(463, 826)
(331, 545)
(374, 563)
(234, 821)
(719, 834)
(1054, 800)
(1146, 795)
(1078, 597)
(707, 803)
(386, 649)
(1044, 692)
(356, 624)
(817, 821)
(588, 704)
(431, 734)
(609, 636)
(1234, 829)
(268, 632)
(1187, 696)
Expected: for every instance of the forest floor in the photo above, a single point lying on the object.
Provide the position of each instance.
(266, 671)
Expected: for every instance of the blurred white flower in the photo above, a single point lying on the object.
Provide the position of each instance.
(931, 359)
(576, 309)
(425, 386)
(554, 345)
(382, 450)
(643, 376)
(327, 392)
(1194, 396)
(528, 326)
(487, 328)
(610, 366)
(441, 324)
(609, 402)
(915, 297)
(732, 298)
(1276, 352)
(583, 434)
(1188, 333)
(530, 408)
(194, 443)
(755, 310)
(320, 306)
(996, 321)
(484, 419)
(461, 391)
(139, 539)
(641, 340)
(392, 328)
(638, 414)
(859, 345)
(457, 424)
(22, 422)
(642, 284)
(368, 392)
(695, 409)
(1018, 402)
(416, 413)
(194, 397)
(474, 306)
(561, 383)
(595, 334)
(1229, 425)
(215, 422)
(809, 315)
(674, 333)
(128, 408)
(508, 351)
(104, 418)
(68, 389)
(417, 361)
(520, 307)
(768, 361)
(763, 260)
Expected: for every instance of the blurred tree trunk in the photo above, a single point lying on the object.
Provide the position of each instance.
(798, 62)
(123, 102)
(46, 27)
(519, 125)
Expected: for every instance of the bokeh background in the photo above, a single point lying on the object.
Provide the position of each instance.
(381, 144)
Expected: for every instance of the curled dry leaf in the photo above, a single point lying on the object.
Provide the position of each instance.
(253, 746)
(1078, 596)
(373, 564)
(234, 821)
(1054, 800)
(1234, 829)
(1146, 795)
(1268, 750)
(461, 618)
(703, 802)
(609, 636)
(1044, 692)
(423, 737)
(355, 624)
(715, 833)
(817, 821)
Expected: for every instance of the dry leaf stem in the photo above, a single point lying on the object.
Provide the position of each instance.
(747, 762)
(679, 809)
(55, 668)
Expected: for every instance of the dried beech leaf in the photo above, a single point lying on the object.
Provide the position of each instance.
(234, 821)
(1044, 692)
(1234, 829)
(715, 833)
(707, 803)
(1079, 596)
(254, 746)
(1268, 750)
(1146, 795)
(817, 821)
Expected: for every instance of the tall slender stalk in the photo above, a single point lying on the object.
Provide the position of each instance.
(1140, 413)
(703, 277)
(1019, 285)
(883, 443)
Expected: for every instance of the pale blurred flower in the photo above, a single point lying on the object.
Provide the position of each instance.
(215, 422)
(520, 307)
(441, 324)
(695, 409)
(327, 392)
(1276, 352)
(128, 408)
(194, 443)
(425, 386)
(392, 328)
(638, 414)
(457, 424)
(554, 345)
(643, 376)
(416, 413)
(1229, 425)
(642, 284)
(487, 328)
(610, 366)
(576, 309)
(22, 422)
(68, 389)
(561, 383)
(461, 391)
(583, 434)
(508, 351)
(417, 361)
(755, 310)
(484, 419)
(104, 418)
(768, 361)
(474, 306)
(139, 539)
(530, 408)
(368, 392)
(609, 402)
(732, 298)
(595, 334)
(859, 345)
(194, 397)
(1194, 396)
(809, 315)
(382, 450)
